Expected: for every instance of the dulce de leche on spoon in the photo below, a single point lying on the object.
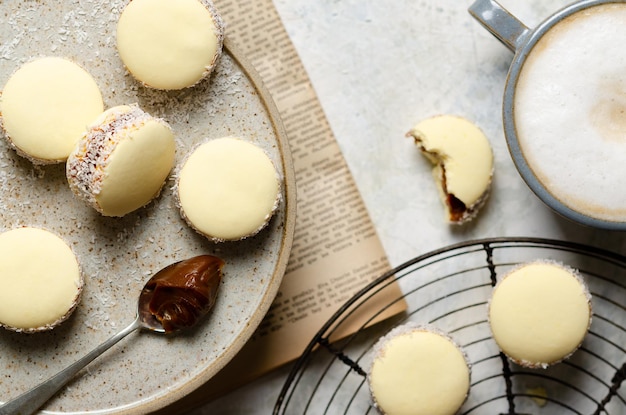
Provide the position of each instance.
(181, 294)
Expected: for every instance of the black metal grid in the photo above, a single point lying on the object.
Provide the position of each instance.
(449, 288)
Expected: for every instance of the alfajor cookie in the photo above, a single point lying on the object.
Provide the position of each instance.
(539, 313)
(40, 280)
(228, 189)
(463, 163)
(46, 105)
(121, 162)
(418, 370)
(170, 44)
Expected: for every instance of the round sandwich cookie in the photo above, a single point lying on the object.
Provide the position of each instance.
(462, 160)
(40, 280)
(46, 105)
(540, 313)
(418, 370)
(228, 189)
(120, 164)
(170, 44)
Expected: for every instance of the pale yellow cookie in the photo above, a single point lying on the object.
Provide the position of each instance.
(418, 370)
(46, 105)
(539, 313)
(40, 280)
(228, 189)
(463, 163)
(170, 44)
(122, 161)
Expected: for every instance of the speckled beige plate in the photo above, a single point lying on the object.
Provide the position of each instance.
(145, 371)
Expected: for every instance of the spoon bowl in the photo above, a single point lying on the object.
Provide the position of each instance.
(173, 299)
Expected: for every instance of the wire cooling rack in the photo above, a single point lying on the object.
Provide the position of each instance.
(449, 289)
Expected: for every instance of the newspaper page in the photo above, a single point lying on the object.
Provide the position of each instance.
(336, 249)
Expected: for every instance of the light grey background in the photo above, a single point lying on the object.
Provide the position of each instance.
(378, 68)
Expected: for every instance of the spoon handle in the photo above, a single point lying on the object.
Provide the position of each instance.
(29, 402)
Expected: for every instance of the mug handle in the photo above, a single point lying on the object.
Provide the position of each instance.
(502, 24)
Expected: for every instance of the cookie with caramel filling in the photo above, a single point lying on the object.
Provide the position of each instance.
(463, 163)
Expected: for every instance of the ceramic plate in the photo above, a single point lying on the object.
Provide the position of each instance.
(145, 371)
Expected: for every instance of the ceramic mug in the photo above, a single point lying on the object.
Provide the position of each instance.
(564, 106)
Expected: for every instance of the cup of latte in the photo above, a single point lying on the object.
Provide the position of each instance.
(564, 106)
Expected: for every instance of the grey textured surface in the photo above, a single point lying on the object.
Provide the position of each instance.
(118, 254)
(379, 68)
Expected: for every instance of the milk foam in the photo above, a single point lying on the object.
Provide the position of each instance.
(570, 111)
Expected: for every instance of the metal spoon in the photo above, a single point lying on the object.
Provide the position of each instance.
(159, 309)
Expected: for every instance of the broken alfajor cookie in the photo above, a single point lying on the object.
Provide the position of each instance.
(463, 163)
